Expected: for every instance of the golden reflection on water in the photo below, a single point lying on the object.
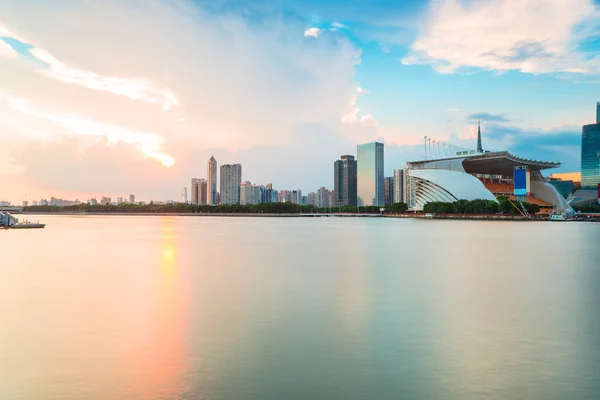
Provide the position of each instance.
(163, 354)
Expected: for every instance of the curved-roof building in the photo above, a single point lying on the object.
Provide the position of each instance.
(478, 174)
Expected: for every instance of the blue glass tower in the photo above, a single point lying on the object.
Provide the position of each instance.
(371, 191)
(590, 153)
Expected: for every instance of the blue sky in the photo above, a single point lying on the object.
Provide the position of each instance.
(144, 101)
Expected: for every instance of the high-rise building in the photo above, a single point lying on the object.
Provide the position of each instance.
(388, 190)
(195, 191)
(211, 182)
(132, 198)
(198, 191)
(231, 178)
(311, 199)
(323, 197)
(104, 201)
(590, 153)
(271, 195)
(284, 196)
(399, 186)
(184, 196)
(370, 174)
(249, 193)
(119, 200)
(344, 181)
(296, 197)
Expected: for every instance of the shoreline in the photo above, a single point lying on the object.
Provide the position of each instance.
(480, 217)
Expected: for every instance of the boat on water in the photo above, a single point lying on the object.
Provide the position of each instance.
(557, 217)
(7, 221)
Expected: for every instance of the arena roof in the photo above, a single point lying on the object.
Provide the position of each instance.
(503, 163)
(496, 163)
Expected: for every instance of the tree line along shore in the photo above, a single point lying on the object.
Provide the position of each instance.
(503, 206)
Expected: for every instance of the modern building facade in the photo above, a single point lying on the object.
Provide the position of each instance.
(370, 183)
(399, 186)
(132, 198)
(231, 178)
(296, 196)
(323, 197)
(474, 175)
(311, 199)
(388, 189)
(211, 181)
(590, 153)
(249, 193)
(199, 191)
(344, 181)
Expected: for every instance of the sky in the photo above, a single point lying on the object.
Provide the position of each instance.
(114, 98)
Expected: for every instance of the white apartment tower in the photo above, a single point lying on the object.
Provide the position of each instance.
(231, 178)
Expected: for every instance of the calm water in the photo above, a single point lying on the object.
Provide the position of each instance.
(325, 308)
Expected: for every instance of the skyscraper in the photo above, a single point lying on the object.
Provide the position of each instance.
(370, 174)
(249, 193)
(211, 181)
(184, 196)
(388, 188)
(399, 186)
(231, 178)
(590, 153)
(344, 181)
(198, 191)
(323, 197)
(132, 198)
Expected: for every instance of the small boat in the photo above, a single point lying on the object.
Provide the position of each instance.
(557, 217)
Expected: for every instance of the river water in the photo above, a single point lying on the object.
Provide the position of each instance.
(299, 308)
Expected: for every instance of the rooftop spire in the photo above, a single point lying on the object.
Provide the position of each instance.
(479, 148)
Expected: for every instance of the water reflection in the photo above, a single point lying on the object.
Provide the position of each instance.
(114, 308)
(160, 361)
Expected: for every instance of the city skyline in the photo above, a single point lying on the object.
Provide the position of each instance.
(321, 79)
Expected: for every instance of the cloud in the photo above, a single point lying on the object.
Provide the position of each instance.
(351, 116)
(7, 51)
(134, 88)
(313, 32)
(150, 144)
(483, 116)
(526, 35)
(244, 83)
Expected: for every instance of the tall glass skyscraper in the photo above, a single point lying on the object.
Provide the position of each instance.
(344, 181)
(590, 153)
(371, 191)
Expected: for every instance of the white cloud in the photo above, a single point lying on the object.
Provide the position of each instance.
(150, 144)
(313, 32)
(352, 116)
(244, 88)
(532, 36)
(134, 88)
(7, 51)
